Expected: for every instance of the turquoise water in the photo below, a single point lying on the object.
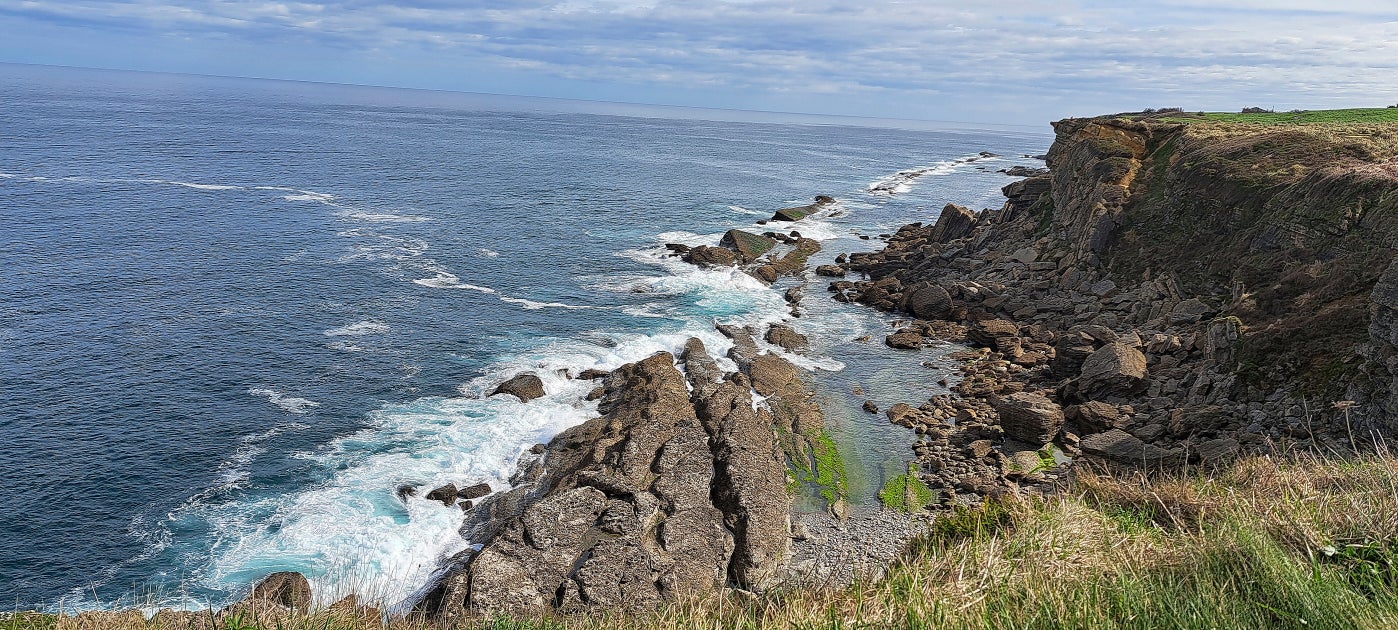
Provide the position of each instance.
(236, 315)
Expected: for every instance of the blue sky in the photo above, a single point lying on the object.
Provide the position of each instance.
(1008, 61)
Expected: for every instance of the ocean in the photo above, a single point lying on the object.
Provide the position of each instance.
(236, 315)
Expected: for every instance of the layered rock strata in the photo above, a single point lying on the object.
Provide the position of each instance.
(1167, 294)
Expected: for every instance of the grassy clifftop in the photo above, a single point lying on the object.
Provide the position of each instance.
(1366, 115)
(1305, 543)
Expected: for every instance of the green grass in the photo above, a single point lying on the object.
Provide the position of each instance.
(1367, 115)
(906, 492)
(1267, 543)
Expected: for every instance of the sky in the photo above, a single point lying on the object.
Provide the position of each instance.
(994, 61)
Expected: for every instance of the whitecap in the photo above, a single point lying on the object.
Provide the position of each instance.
(488, 253)
(383, 217)
(447, 280)
(532, 305)
(902, 181)
(358, 328)
(290, 404)
(193, 185)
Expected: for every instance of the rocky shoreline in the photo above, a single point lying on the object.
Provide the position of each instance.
(1149, 302)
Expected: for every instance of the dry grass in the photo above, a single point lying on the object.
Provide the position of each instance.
(1266, 543)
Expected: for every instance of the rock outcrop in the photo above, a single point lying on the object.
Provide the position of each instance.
(680, 487)
(525, 387)
(1183, 293)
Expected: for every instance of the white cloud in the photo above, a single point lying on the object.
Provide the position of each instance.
(1178, 50)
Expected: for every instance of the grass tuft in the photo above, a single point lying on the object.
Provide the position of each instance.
(1265, 543)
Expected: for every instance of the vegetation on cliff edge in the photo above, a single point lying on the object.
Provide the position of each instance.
(1265, 543)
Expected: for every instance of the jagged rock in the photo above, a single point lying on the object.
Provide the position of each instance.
(1123, 447)
(870, 407)
(955, 222)
(1096, 416)
(771, 373)
(1199, 419)
(986, 332)
(284, 588)
(749, 246)
(1189, 311)
(445, 494)
(904, 340)
(635, 507)
(707, 256)
(928, 300)
(1115, 369)
(1024, 171)
(1222, 339)
(801, 212)
(473, 492)
(786, 337)
(1217, 451)
(1029, 417)
(830, 271)
(525, 387)
(591, 374)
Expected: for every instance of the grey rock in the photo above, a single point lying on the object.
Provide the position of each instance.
(928, 301)
(955, 222)
(445, 494)
(1029, 417)
(525, 387)
(285, 588)
(1115, 369)
(1123, 447)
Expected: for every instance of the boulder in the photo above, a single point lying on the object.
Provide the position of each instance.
(870, 407)
(525, 387)
(1096, 416)
(1115, 369)
(1189, 311)
(284, 588)
(706, 256)
(748, 245)
(904, 340)
(927, 300)
(1197, 419)
(830, 271)
(592, 374)
(1029, 417)
(800, 212)
(474, 492)
(987, 331)
(786, 337)
(1120, 446)
(446, 494)
(771, 373)
(954, 222)
(1217, 451)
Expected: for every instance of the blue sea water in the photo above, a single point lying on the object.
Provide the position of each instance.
(236, 315)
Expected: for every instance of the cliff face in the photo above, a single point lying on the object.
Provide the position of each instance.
(1181, 291)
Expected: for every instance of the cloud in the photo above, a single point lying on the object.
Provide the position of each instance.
(881, 51)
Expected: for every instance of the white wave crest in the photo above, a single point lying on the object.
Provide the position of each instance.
(289, 404)
(358, 328)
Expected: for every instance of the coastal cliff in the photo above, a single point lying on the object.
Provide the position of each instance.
(1173, 292)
